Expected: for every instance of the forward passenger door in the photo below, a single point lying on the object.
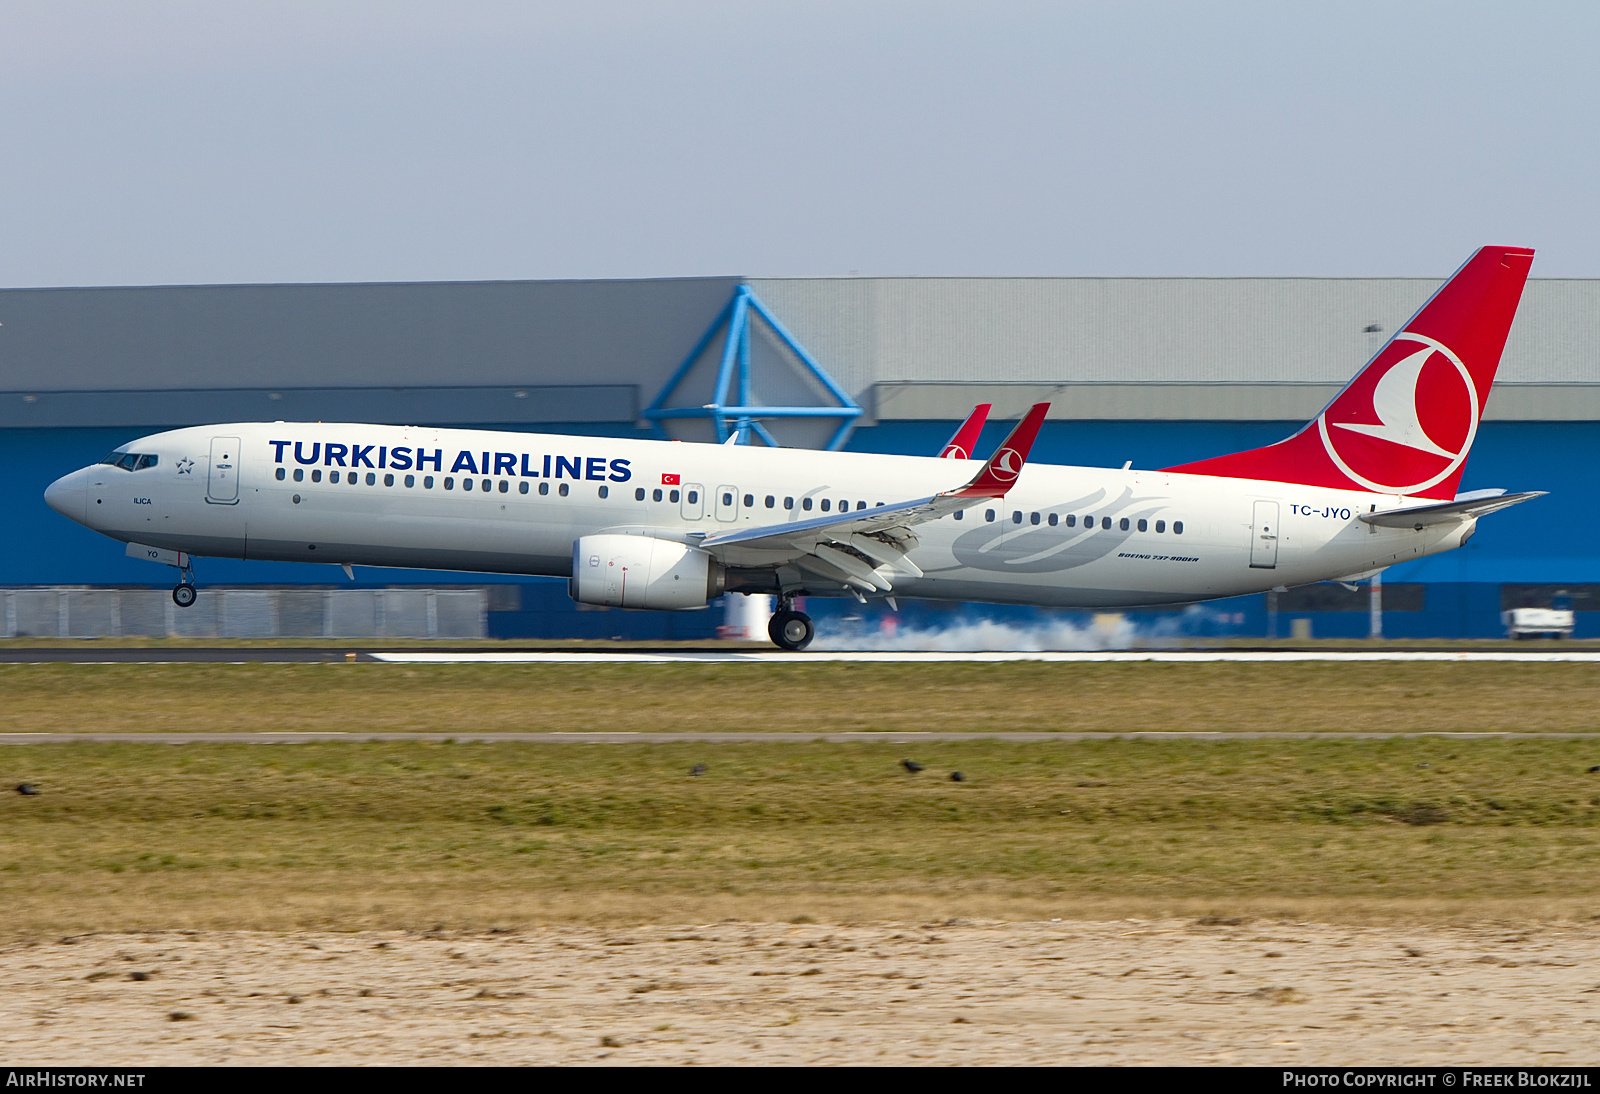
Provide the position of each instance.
(222, 480)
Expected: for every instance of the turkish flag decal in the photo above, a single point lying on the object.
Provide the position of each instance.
(669, 480)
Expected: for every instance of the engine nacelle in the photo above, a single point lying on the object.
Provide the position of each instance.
(643, 572)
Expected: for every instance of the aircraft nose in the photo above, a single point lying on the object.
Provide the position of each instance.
(67, 496)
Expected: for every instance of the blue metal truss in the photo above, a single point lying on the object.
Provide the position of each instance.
(736, 416)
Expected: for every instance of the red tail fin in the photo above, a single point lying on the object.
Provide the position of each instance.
(960, 445)
(1405, 424)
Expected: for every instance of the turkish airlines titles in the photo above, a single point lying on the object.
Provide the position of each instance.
(406, 458)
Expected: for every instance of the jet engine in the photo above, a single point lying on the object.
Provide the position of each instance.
(643, 572)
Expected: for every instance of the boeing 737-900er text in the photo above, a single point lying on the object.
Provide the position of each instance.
(1371, 481)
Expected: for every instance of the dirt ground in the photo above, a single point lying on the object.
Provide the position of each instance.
(961, 992)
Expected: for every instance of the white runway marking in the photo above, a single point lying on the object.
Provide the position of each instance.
(777, 657)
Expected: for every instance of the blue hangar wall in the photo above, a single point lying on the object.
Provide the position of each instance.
(1521, 556)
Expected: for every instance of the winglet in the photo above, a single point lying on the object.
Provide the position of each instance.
(1000, 471)
(961, 444)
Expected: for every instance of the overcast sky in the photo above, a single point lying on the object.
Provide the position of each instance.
(167, 142)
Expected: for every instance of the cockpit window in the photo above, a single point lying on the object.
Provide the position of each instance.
(131, 461)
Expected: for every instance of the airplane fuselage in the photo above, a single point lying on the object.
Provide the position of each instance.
(515, 503)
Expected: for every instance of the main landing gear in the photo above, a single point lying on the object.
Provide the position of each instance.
(789, 629)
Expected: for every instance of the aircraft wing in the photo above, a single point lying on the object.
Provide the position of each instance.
(1448, 512)
(960, 444)
(852, 547)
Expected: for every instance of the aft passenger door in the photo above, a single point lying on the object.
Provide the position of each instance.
(222, 481)
(1264, 537)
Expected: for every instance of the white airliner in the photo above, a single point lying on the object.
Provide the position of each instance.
(1371, 481)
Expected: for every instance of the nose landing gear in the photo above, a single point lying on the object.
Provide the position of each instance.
(789, 629)
(184, 592)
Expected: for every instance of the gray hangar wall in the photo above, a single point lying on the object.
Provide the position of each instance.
(1157, 370)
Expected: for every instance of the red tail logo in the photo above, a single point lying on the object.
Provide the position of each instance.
(1405, 424)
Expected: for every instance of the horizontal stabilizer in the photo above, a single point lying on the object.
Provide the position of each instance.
(1449, 512)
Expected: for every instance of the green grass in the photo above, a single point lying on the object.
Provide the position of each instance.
(805, 697)
(413, 835)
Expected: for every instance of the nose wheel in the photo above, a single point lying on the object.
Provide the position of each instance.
(791, 630)
(184, 592)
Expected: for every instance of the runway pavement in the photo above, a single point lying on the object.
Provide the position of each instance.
(89, 654)
(919, 657)
(887, 737)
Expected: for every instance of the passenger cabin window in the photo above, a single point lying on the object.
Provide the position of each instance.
(1034, 519)
(826, 505)
(278, 474)
(388, 480)
(449, 483)
(316, 476)
(638, 494)
(333, 476)
(486, 484)
(805, 503)
(562, 490)
(605, 491)
(1161, 526)
(1123, 524)
(727, 499)
(427, 482)
(771, 501)
(960, 513)
(1053, 519)
(411, 480)
(655, 495)
(522, 487)
(1105, 522)
(988, 515)
(694, 496)
(1177, 527)
(672, 497)
(1144, 525)
(788, 503)
(750, 500)
(1072, 520)
(299, 474)
(505, 486)
(1016, 516)
(466, 484)
(372, 478)
(544, 488)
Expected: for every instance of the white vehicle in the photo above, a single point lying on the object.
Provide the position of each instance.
(1539, 622)
(1370, 482)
